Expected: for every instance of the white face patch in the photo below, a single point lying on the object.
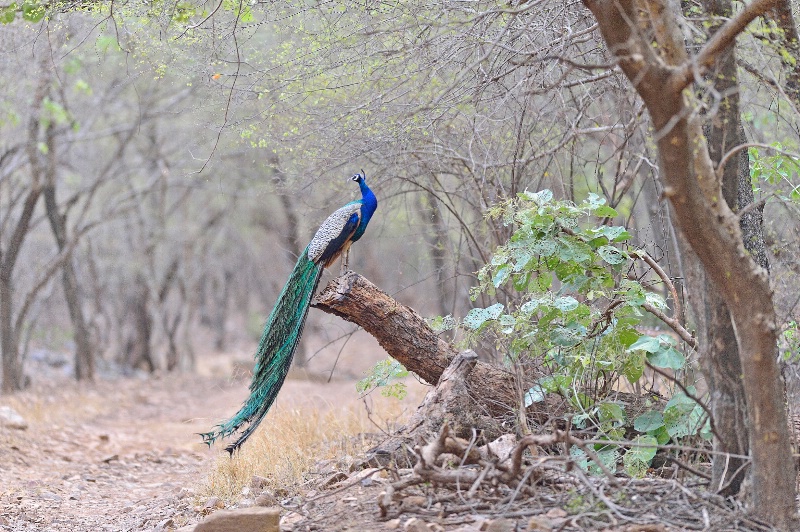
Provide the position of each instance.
(331, 229)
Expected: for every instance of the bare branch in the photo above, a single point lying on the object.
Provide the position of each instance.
(721, 40)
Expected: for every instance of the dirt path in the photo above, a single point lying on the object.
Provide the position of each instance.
(120, 455)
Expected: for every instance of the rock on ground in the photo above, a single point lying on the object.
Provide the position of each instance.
(11, 419)
(253, 519)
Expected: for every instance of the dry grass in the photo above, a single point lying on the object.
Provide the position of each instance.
(68, 402)
(291, 441)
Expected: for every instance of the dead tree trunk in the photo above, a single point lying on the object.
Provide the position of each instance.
(470, 396)
(403, 333)
(447, 404)
(474, 397)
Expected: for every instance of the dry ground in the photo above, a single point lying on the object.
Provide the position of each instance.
(124, 454)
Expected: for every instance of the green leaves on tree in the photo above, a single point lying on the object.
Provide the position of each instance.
(778, 169)
(478, 316)
(8, 13)
(30, 10)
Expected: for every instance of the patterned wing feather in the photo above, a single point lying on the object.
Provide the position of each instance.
(334, 233)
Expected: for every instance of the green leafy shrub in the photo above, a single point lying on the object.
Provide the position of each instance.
(572, 301)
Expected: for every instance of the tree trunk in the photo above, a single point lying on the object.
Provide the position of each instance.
(789, 39)
(84, 352)
(437, 241)
(170, 327)
(720, 358)
(12, 365)
(712, 230)
(138, 351)
(13, 379)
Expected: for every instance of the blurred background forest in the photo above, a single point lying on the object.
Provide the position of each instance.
(162, 164)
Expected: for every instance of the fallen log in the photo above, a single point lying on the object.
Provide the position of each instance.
(407, 338)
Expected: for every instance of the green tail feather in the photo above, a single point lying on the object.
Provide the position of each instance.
(275, 352)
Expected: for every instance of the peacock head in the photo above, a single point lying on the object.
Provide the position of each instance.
(358, 178)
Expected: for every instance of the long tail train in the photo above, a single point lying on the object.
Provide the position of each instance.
(285, 324)
(275, 352)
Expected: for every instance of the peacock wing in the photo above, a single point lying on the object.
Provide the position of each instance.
(334, 232)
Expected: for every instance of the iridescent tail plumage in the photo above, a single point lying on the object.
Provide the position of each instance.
(275, 352)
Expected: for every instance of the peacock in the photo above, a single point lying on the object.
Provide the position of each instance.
(285, 323)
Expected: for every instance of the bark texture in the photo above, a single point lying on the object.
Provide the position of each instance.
(789, 39)
(138, 351)
(9, 334)
(720, 358)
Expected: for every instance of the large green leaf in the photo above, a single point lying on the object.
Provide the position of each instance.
(682, 416)
(535, 394)
(639, 456)
(478, 316)
(633, 366)
(646, 343)
(568, 335)
(648, 421)
(544, 280)
(608, 457)
(604, 211)
(669, 358)
(32, 11)
(566, 303)
(574, 251)
(501, 276)
(610, 412)
(545, 248)
(656, 300)
(611, 255)
(612, 233)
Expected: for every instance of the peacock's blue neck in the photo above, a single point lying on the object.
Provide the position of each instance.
(368, 205)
